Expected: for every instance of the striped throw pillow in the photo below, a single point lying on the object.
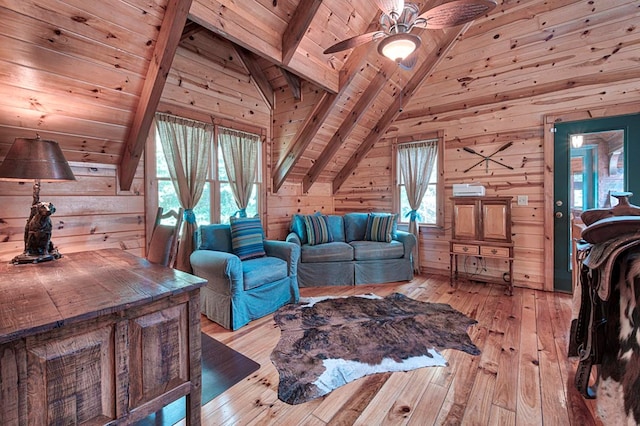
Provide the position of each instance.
(247, 237)
(317, 230)
(380, 227)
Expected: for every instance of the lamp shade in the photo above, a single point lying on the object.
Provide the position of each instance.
(398, 46)
(35, 159)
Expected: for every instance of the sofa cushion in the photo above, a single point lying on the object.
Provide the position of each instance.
(374, 250)
(317, 230)
(355, 226)
(299, 228)
(263, 270)
(336, 227)
(246, 237)
(329, 252)
(380, 227)
(214, 237)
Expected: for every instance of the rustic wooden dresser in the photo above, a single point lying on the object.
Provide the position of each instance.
(100, 337)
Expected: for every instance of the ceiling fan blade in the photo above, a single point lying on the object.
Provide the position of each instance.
(354, 41)
(455, 13)
(410, 61)
(391, 7)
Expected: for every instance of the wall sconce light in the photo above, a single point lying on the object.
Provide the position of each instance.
(576, 141)
(36, 160)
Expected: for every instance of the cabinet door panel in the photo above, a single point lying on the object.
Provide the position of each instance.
(495, 222)
(159, 353)
(465, 225)
(71, 380)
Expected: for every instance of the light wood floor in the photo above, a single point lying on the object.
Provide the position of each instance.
(522, 377)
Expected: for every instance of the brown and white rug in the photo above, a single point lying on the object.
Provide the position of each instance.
(328, 342)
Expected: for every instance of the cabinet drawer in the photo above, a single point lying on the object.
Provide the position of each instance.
(494, 251)
(465, 249)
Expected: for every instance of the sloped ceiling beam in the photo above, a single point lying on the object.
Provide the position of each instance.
(426, 68)
(314, 121)
(258, 76)
(294, 83)
(302, 139)
(173, 23)
(347, 126)
(298, 25)
(215, 16)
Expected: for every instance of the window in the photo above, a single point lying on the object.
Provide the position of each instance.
(217, 203)
(427, 151)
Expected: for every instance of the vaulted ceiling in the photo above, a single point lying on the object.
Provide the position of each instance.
(91, 74)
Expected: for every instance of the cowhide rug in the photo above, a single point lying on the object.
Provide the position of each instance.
(328, 342)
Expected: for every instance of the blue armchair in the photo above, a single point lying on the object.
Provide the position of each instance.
(239, 291)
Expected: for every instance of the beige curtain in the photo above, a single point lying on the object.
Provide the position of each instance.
(187, 149)
(417, 161)
(240, 154)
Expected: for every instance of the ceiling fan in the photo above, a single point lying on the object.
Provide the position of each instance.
(398, 19)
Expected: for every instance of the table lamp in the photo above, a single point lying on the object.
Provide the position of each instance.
(36, 160)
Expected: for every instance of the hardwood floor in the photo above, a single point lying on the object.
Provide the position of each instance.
(522, 377)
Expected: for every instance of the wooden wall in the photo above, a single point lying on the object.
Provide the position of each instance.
(91, 213)
(520, 122)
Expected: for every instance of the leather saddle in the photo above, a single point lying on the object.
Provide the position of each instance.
(609, 234)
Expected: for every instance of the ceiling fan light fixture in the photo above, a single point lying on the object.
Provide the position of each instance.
(398, 46)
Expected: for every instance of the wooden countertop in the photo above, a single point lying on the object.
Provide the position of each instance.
(79, 286)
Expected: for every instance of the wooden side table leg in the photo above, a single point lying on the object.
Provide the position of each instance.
(451, 269)
(511, 276)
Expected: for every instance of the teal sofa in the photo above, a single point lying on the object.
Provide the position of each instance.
(350, 259)
(239, 291)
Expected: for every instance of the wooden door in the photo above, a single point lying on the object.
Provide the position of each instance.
(565, 206)
(465, 220)
(71, 377)
(494, 221)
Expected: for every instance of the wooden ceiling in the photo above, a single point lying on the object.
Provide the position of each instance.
(91, 75)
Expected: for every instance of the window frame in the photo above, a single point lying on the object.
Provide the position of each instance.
(151, 178)
(440, 190)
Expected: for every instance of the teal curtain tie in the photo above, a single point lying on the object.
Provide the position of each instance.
(240, 213)
(413, 215)
(189, 216)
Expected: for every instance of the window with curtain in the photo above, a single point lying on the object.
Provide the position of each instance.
(428, 151)
(217, 203)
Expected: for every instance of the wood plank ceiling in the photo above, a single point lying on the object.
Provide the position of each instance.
(112, 63)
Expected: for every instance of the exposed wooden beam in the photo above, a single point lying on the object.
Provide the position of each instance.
(302, 139)
(347, 126)
(293, 81)
(313, 122)
(190, 28)
(173, 23)
(426, 68)
(226, 22)
(258, 76)
(298, 25)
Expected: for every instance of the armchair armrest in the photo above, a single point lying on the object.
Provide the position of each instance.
(223, 271)
(293, 238)
(408, 240)
(288, 251)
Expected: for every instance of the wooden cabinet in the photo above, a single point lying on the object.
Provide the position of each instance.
(481, 227)
(95, 338)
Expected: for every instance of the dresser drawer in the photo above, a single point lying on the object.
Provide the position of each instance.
(465, 249)
(494, 251)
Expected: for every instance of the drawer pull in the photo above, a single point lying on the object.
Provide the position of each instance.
(465, 249)
(494, 251)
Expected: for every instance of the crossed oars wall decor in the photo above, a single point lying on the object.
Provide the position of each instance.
(487, 158)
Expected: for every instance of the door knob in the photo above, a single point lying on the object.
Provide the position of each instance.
(558, 215)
